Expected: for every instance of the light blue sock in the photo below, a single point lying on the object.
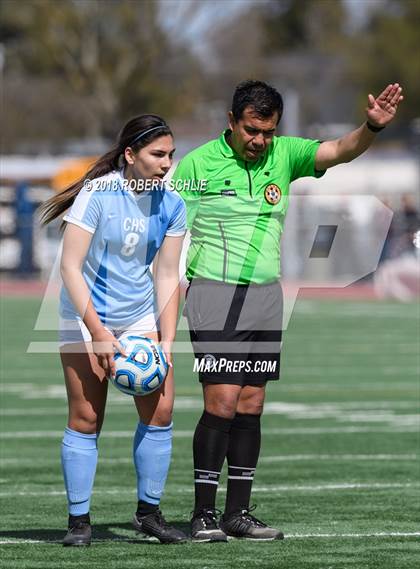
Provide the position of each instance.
(152, 456)
(79, 455)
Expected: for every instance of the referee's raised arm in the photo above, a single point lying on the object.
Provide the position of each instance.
(379, 113)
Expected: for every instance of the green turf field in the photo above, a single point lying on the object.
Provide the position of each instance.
(339, 470)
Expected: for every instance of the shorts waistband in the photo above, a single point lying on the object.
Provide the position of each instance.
(200, 280)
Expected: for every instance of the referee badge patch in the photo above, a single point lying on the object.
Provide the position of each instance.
(272, 194)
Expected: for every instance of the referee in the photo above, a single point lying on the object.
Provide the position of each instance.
(234, 301)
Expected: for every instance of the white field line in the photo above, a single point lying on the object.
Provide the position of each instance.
(293, 411)
(350, 535)
(31, 391)
(390, 350)
(342, 370)
(17, 541)
(336, 457)
(11, 435)
(350, 385)
(359, 308)
(5, 462)
(119, 405)
(179, 347)
(258, 489)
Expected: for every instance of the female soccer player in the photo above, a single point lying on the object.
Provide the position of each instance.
(121, 219)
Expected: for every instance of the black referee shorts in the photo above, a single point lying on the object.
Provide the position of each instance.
(235, 330)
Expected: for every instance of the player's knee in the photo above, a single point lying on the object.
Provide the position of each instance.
(159, 416)
(163, 417)
(85, 422)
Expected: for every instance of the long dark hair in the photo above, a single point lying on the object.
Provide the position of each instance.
(134, 134)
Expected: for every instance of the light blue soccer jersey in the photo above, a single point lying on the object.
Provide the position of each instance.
(128, 228)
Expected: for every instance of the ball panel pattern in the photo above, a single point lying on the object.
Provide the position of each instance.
(143, 370)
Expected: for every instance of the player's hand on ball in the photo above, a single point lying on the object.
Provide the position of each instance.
(167, 350)
(104, 346)
(381, 111)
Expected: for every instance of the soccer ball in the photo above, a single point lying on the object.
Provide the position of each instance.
(143, 370)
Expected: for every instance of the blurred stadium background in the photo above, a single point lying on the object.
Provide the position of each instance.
(96, 64)
(72, 72)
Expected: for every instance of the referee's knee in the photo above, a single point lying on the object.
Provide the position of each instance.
(249, 407)
(225, 409)
(251, 401)
(221, 399)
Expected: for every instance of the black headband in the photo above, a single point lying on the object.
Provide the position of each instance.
(139, 136)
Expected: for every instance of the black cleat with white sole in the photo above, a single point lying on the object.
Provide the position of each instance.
(204, 527)
(244, 526)
(155, 525)
(79, 533)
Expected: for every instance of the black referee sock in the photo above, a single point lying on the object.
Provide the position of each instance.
(242, 456)
(145, 508)
(210, 443)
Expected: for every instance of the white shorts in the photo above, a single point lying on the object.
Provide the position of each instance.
(75, 331)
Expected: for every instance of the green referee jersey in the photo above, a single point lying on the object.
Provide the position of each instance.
(236, 209)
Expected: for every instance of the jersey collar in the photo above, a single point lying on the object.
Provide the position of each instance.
(225, 148)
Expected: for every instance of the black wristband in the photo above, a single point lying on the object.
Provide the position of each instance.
(374, 128)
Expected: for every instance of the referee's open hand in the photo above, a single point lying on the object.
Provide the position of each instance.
(382, 109)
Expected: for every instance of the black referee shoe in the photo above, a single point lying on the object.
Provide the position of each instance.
(244, 526)
(79, 532)
(204, 526)
(155, 525)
